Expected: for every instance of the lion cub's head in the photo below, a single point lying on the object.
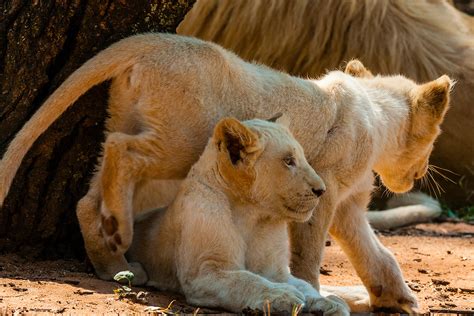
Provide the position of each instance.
(425, 106)
(261, 163)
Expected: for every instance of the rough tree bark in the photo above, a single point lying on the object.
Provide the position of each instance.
(41, 43)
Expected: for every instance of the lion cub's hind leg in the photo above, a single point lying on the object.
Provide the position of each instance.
(124, 163)
(106, 263)
(129, 159)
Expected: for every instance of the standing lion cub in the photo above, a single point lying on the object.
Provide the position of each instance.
(169, 91)
(223, 242)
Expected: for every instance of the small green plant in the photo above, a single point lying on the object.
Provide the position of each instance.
(296, 310)
(465, 213)
(124, 276)
(126, 292)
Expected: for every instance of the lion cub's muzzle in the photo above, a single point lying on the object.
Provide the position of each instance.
(315, 183)
(301, 210)
(302, 204)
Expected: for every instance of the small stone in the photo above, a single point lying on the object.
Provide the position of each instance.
(440, 282)
(83, 292)
(414, 286)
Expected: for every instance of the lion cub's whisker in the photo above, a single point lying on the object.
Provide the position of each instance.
(426, 184)
(444, 169)
(436, 186)
(445, 177)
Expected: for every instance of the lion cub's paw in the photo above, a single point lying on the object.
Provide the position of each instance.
(282, 297)
(395, 298)
(117, 237)
(330, 305)
(140, 275)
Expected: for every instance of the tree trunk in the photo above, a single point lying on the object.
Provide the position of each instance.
(41, 44)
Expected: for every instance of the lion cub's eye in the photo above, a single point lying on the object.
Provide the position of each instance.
(289, 161)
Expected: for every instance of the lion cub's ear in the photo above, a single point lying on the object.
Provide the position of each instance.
(281, 119)
(237, 141)
(357, 69)
(432, 98)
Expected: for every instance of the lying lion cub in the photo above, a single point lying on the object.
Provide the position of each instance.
(169, 91)
(223, 242)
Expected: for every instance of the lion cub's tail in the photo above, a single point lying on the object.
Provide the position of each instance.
(105, 65)
(406, 209)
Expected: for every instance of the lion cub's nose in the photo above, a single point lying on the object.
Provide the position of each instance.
(318, 192)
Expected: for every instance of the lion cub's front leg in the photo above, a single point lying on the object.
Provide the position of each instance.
(238, 289)
(210, 264)
(270, 255)
(375, 264)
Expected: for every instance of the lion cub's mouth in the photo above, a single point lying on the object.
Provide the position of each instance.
(302, 210)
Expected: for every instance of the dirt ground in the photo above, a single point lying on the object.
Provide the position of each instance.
(437, 261)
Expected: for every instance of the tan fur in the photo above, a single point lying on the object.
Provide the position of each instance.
(421, 39)
(355, 296)
(162, 113)
(223, 242)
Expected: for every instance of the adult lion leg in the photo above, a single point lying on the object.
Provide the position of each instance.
(375, 264)
(106, 263)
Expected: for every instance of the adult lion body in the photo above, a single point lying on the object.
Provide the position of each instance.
(162, 114)
(420, 39)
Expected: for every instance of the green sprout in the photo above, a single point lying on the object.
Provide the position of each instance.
(125, 275)
(126, 291)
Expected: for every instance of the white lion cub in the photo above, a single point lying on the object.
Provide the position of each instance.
(223, 242)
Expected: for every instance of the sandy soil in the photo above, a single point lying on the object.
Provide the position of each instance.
(437, 260)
